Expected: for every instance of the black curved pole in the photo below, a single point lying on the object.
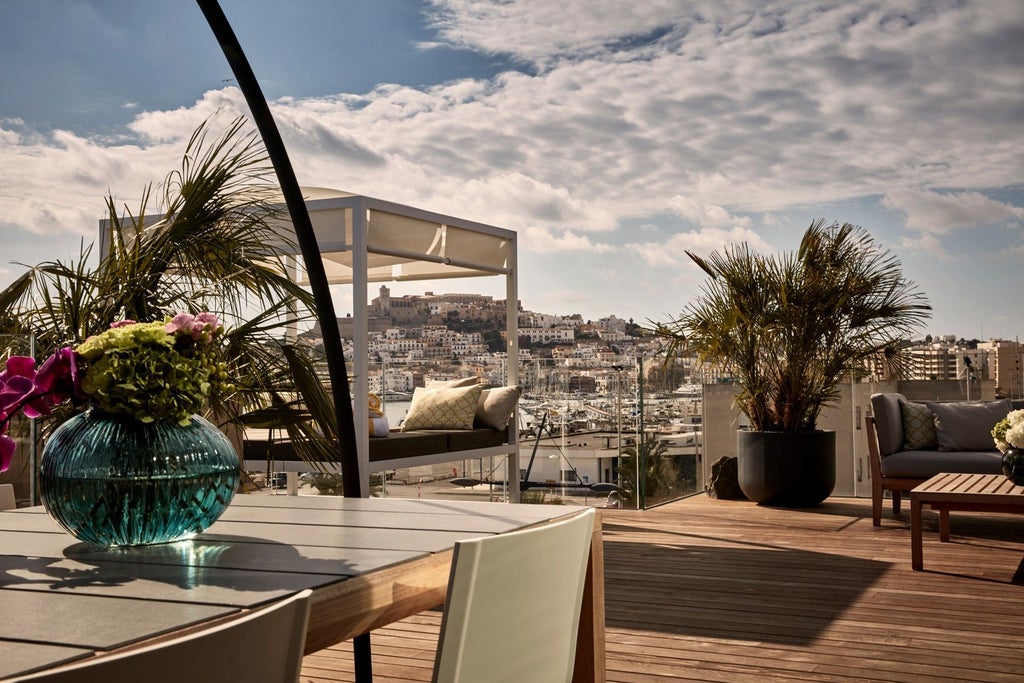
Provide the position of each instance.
(314, 269)
(304, 234)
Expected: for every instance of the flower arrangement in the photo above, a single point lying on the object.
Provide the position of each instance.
(1009, 432)
(160, 371)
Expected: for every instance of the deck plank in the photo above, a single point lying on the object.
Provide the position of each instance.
(710, 590)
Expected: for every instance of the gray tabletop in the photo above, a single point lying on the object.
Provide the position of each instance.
(62, 600)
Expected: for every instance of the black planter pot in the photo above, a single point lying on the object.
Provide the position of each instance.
(787, 469)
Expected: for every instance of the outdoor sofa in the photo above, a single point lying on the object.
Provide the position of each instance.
(911, 441)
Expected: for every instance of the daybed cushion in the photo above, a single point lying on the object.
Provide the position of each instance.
(443, 408)
(407, 444)
(967, 426)
(476, 438)
(496, 406)
(400, 445)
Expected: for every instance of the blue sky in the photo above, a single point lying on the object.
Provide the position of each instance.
(611, 136)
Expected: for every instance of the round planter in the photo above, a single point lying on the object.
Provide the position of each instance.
(111, 480)
(787, 469)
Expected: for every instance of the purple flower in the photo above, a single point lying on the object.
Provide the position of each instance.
(58, 377)
(23, 388)
(7, 447)
(122, 323)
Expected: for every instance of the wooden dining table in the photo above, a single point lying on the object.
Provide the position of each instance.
(368, 561)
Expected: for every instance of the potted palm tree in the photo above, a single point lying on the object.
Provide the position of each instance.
(789, 328)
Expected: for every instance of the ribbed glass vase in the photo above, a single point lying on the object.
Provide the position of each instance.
(111, 480)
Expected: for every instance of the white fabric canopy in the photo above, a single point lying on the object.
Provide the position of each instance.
(401, 242)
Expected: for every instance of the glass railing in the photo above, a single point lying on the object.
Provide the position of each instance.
(583, 427)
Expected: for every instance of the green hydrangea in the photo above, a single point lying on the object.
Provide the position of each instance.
(143, 370)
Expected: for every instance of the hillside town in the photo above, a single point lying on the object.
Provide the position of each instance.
(441, 333)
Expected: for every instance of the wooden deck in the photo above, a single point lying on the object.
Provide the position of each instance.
(709, 590)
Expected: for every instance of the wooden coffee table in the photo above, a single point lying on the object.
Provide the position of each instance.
(961, 492)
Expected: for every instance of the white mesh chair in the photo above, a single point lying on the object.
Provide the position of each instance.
(264, 646)
(513, 605)
(7, 501)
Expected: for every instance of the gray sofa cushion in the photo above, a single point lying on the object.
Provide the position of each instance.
(888, 422)
(925, 464)
(967, 426)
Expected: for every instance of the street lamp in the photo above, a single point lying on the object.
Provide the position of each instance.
(618, 421)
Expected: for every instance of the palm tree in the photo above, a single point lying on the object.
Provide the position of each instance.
(212, 247)
(791, 328)
(660, 474)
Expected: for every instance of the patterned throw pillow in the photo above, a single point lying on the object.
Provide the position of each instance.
(446, 408)
(918, 427)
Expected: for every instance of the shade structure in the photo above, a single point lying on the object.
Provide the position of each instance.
(363, 239)
(400, 242)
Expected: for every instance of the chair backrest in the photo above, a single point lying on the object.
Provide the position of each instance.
(264, 646)
(7, 500)
(513, 605)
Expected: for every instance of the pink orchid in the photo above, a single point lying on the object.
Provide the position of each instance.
(23, 388)
(7, 448)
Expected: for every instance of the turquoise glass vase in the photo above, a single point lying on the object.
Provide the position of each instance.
(111, 480)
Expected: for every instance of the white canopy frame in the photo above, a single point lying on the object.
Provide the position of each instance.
(363, 239)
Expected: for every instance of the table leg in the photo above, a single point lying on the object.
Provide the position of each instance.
(590, 641)
(944, 525)
(361, 653)
(916, 560)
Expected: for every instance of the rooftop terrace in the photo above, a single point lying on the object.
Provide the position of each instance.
(709, 590)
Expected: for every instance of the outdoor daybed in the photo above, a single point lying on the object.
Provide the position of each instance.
(446, 421)
(911, 441)
(365, 240)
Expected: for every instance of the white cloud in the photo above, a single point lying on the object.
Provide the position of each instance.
(941, 213)
(546, 241)
(925, 243)
(705, 215)
(671, 252)
(711, 110)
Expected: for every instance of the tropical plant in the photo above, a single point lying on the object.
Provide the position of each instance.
(660, 474)
(789, 328)
(212, 246)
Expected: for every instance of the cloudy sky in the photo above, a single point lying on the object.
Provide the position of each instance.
(611, 135)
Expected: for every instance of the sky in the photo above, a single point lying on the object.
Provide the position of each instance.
(612, 136)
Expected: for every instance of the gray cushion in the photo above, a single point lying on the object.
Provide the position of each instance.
(918, 426)
(888, 422)
(496, 406)
(967, 426)
(925, 464)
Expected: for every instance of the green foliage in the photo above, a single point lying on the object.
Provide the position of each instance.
(660, 474)
(144, 371)
(539, 497)
(209, 244)
(791, 327)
